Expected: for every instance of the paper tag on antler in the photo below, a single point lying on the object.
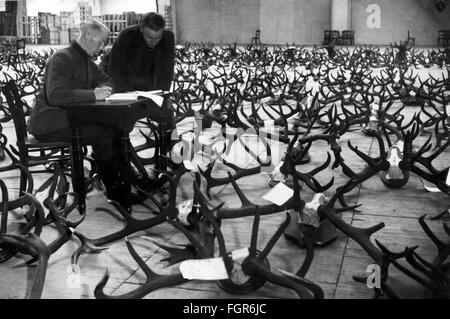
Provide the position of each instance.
(432, 189)
(447, 109)
(309, 215)
(184, 209)
(279, 194)
(188, 165)
(447, 181)
(401, 145)
(204, 269)
(240, 254)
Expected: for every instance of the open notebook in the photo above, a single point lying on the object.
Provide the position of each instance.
(155, 96)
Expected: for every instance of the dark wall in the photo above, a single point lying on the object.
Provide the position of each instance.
(217, 21)
(8, 19)
(419, 16)
(294, 21)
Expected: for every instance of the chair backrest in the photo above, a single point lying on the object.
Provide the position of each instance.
(15, 104)
(20, 45)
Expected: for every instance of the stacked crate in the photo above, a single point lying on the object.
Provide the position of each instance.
(67, 22)
(130, 17)
(168, 17)
(44, 29)
(115, 23)
(31, 28)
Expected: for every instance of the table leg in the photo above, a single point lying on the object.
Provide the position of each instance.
(125, 168)
(78, 170)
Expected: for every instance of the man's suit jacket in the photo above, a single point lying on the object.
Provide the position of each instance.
(133, 66)
(70, 76)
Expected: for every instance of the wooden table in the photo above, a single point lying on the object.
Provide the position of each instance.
(121, 115)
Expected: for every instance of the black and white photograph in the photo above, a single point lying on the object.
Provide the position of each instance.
(224, 154)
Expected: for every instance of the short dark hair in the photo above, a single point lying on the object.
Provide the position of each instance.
(153, 21)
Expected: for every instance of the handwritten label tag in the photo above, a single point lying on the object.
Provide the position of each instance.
(432, 189)
(188, 165)
(400, 144)
(204, 269)
(447, 109)
(240, 254)
(184, 209)
(309, 216)
(279, 194)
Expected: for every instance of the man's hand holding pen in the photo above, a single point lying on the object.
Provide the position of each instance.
(102, 93)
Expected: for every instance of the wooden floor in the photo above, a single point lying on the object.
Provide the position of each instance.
(332, 267)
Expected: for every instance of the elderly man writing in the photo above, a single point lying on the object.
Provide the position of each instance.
(71, 76)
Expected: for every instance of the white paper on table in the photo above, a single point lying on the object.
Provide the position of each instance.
(447, 181)
(204, 269)
(279, 194)
(155, 97)
(432, 189)
(122, 97)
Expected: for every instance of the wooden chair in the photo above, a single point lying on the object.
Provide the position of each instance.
(256, 40)
(410, 42)
(331, 37)
(348, 37)
(18, 51)
(28, 151)
(443, 38)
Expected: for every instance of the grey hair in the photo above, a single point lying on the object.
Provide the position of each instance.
(95, 25)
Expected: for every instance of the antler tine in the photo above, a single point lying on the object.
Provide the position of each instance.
(443, 249)
(363, 156)
(275, 238)
(215, 224)
(254, 235)
(360, 235)
(30, 244)
(267, 147)
(133, 225)
(153, 281)
(244, 200)
(430, 270)
(5, 209)
(86, 247)
(310, 181)
(392, 259)
(40, 214)
(438, 276)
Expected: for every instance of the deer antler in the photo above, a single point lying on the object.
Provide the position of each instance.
(30, 244)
